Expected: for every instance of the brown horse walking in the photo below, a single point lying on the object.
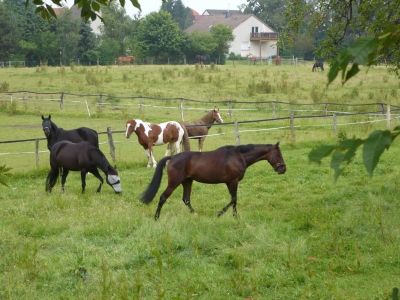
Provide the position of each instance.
(227, 165)
(278, 60)
(125, 59)
(204, 124)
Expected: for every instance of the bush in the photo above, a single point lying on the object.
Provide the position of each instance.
(4, 86)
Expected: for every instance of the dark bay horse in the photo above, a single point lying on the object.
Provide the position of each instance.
(55, 134)
(318, 64)
(125, 59)
(200, 132)
(82, 157)
(201, 59)
(150, 135)
(227, 165)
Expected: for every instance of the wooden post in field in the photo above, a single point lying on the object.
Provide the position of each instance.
(237, 133)
(292, 127)
(230, 109)
(388, 116)
(101, 100)
(273, 109)
(141, 104)
(182, 110)
(62, 101)
(382, 109)
(326, 109)
(334, 124)
(37, 152)
(111, 143)
(98, 62)
(78, 61)
(24, 96)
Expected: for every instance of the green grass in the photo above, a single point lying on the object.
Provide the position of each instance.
(297, 235)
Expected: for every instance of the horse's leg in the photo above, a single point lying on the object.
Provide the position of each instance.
(201, 142)
(168, 148)
(173, 183)
(152, 157)
(148, 154)
(83, 179)
(96, 173)
(64, 178)
(232, 187)
(187, 189)
(177, 146)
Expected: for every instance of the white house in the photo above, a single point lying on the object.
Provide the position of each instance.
(252, 36)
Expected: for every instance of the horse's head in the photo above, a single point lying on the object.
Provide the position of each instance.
(46, 125)
(276, 159)
(113, 179)
(130, 128)
(217, 116)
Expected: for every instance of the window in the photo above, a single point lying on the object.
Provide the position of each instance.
(254, 29)
(245, 46)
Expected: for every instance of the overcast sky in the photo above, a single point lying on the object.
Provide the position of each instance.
(149, 6)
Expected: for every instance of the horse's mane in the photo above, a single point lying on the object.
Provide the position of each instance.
(241, 148)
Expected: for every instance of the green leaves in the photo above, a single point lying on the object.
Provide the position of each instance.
(3, 171)
(345, 151)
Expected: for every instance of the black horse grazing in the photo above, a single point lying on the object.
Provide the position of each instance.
(227, 165)
(55, 134)
(82, 157)
(318, 64)
(201, 59)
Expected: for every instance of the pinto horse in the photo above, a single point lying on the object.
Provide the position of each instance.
(318, 64)
(82, 157)
(55, 134)
(227, 165)
(201, 59)
(150, 135)
(125, 59)
(204, 124)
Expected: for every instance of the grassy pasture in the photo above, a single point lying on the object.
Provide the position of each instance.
(297, 236)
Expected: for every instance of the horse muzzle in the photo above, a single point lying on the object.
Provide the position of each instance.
(46, 131)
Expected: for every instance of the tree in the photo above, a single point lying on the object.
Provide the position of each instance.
(90, 9)
(87, 42)
(346, 21)
(158, 35)
(7, 34)
(200, 43)
(181, 14)
(362, 53)
(222, 36)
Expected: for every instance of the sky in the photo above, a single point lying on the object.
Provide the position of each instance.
(149, 6)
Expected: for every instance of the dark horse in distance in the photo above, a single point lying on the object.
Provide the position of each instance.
(201, 59)
(227, 165)
(318, 64)
(55, 134)
(82, 157)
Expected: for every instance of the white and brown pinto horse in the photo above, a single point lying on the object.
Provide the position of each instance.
(150, 135)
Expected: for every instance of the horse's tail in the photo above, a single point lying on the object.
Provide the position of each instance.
(52, 179)
(185, 139)
(148, 195)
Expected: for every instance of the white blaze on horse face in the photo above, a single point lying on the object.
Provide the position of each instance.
(115, 183)
(219, 120)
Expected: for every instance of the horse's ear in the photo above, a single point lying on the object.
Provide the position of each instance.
(277, 144)
(115, 167)
(42, 117)
(49, 117)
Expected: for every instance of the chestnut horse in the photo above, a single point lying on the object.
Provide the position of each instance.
(125, 59)
(278, 60)
(204, 124)
(227, 165)
(150, 135)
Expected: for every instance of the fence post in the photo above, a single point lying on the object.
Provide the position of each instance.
(101, 100)
(141, 104)
(37, 152)
(111, 143)
(62, 101)
(97, 61)
(24, 96)
(326, 109)
(182, 110)
(334, 124)
(273, 109)
(382, 109)
(388, 116)
(292, 127)
(237, 133)
(230, 109)
(78, 61)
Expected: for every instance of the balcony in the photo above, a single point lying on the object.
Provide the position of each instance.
(264, 36)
